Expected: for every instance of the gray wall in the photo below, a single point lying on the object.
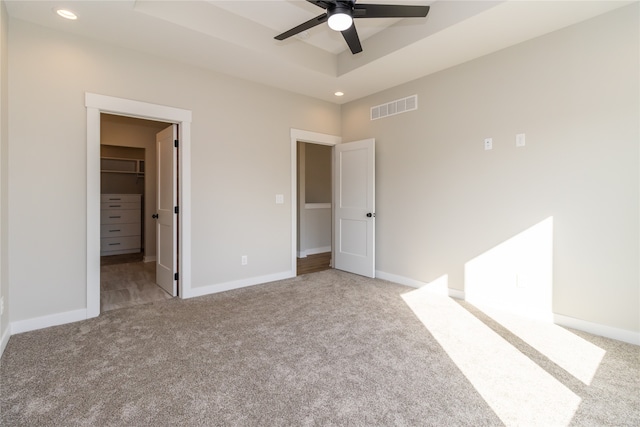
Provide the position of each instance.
(442, 201)
(236, 169)
(318, 173)
(4, 173)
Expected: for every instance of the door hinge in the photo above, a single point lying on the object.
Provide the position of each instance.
(176, 210)
(175, 276)
(175, 143)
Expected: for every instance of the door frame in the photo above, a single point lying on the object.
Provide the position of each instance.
(96, 105)
(298, 135)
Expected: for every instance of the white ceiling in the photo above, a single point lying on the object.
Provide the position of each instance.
(237, 37)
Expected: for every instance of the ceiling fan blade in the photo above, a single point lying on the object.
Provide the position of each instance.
(321, 3)
(351, 37)
(389, 11)
(303, 27)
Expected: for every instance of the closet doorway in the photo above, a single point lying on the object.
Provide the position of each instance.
(314, 210)
(128, 201)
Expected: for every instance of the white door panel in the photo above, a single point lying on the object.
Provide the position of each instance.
(355, 207)
(166, 202)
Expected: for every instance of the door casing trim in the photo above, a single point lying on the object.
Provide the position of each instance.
(97, 104)
(298, 135)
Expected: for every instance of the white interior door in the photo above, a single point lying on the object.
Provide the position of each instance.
(355, 207)
(166, 210)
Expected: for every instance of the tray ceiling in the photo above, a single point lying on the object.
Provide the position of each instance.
(236, 37)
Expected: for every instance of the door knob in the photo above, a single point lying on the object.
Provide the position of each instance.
(154, 216)
(369, 215)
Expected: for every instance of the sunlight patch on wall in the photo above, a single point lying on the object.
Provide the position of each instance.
(440, 286)
(518, 390)
(515, 276)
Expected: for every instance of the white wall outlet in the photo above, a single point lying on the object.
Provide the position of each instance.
(279, 199)
(244, 260)
(1, 305)
(488, 143)
(520, 141)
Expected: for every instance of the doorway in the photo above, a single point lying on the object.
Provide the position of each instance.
(96, 105)
(315, 194)
(353, 202)
(128, 198)
(312, 138)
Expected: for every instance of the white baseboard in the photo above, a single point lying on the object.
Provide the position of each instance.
(313, 251)
(437, 286)
(27, 325)
(593, 328)
(625, 335)
(320, 250)
(236, 284)
(150, 258)
(401, 280)
(78, 315)
(4, 340)
(457, 294)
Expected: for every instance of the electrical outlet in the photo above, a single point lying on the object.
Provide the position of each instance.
(1, 305)
(244, 260)
(488, 143)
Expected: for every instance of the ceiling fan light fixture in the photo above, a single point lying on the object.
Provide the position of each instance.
(340, 18)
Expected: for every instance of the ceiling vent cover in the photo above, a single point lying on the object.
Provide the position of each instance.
(392, 108)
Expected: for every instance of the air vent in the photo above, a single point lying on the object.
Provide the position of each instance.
(392, 108)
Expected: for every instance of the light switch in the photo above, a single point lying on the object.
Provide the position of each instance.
(279, 199)
(488, 143)
(520, 140)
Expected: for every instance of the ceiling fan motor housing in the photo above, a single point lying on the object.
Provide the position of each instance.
(340, 16)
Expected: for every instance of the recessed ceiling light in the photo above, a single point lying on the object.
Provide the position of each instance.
(67, 14)
(339, 93)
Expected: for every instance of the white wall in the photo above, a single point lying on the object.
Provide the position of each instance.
(442, 201)
(240, 158)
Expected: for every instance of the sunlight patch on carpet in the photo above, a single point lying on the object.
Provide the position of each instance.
(518, 390)
(572, 353)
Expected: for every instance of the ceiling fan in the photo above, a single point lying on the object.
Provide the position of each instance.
(340, 15)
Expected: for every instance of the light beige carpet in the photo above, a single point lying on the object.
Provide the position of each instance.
(328, 348)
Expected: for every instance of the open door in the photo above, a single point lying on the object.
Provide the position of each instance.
(355, 207)
(167, 210)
